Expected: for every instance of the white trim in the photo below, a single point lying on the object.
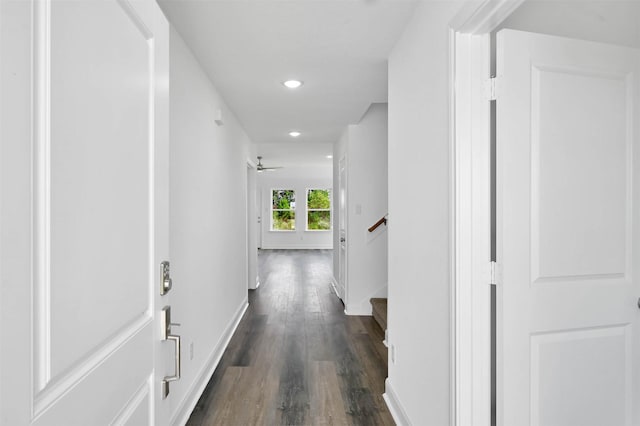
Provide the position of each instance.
(336, 285)
(192, 396)
(343, 163)
(41, 201)
(473, 239)
(395, 407)
(453, 202)
(302, 246)
(470, 322)
(483, 17)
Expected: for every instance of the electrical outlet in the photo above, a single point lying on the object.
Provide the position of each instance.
(191, 351)
(393, 354)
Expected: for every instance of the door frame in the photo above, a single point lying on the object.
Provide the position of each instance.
(470, 190)
(343, 222)
(251, 223)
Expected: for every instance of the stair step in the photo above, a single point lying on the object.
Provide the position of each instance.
(379, 306)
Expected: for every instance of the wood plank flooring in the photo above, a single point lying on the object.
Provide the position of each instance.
(295, 358)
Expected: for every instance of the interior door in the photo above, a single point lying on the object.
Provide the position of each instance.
(84, 199)
(568, 193)
(342, 228)
(252, 245)
(260, 210)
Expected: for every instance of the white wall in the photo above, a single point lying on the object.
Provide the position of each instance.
(298, 179)
(208, 223)
(419, 217)
(365, 145)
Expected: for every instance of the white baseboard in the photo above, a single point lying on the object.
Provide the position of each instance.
(298, 247)
(394, 405)
(337, 288)
(190, 400)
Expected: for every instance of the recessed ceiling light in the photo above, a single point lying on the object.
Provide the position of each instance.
(329, 156)
(292, 84)
(294, 134)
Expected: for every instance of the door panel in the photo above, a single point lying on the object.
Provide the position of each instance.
(82, 337)
(579, 133)
(99, 177)
(567, 188)
(562, 363)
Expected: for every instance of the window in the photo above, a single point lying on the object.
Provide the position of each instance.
(318, 209)
(283, 210)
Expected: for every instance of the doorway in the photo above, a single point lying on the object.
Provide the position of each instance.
(252, 229)
(342, 229)
(559, 175)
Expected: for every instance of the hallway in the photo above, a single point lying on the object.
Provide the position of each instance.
(295, 358)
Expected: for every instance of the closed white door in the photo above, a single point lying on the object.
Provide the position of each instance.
(252, 245)
(342, 229)
(568, 192)
(84, 181)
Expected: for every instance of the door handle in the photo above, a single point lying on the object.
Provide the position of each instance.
(342, 239)
(178, 362)
(168, 336)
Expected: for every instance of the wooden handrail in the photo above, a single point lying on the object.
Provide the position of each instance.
(378, 223)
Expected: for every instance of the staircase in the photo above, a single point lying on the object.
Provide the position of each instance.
(379, 306)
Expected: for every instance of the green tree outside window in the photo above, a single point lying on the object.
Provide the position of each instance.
(318, 209)
(283, 210)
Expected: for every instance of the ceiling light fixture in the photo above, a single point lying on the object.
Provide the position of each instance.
(329, 156)
(292, 84)
(294, 134)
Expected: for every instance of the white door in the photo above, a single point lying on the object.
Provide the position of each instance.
(342, 228)
(259, 209)
(568, 164)
(252, 245)
(84, 203)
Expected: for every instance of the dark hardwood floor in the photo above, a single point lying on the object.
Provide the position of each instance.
(296, 358)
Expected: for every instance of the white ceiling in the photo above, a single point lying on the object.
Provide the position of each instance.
(339, 48)
(607, 21)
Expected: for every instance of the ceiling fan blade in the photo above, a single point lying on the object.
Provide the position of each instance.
(260, 167)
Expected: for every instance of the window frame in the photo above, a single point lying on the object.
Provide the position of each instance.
(308, 210)
(271, 228)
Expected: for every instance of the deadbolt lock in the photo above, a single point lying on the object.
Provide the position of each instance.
(166, 283)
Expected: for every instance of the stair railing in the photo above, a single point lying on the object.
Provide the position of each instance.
(383, 220)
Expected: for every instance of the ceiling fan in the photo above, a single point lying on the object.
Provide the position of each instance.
(261, 168)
